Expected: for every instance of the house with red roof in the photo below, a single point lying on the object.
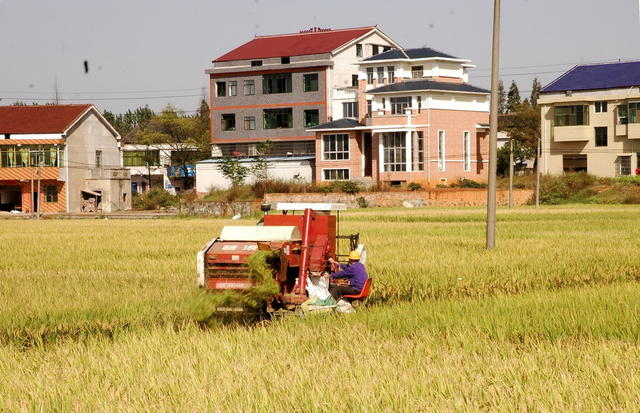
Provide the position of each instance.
(60, 158)
(275, 87)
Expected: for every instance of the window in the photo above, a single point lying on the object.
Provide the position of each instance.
(384, 104)
(386, 48)
(369, 76)
(374, 49)
(98, 159)
(278, 118)
(419, 101)
(395, 156)
(622, 115)
(398, 105)
(601, 107)
(249, 87)
(229, 121)
(416, 72)
(441, 151)
(623, 165)
(276, 83)
(336, 174)
(466, 148)
(380, 75)
(358, 49)
(256, 63)
(571, 115)
(335, 147)
(51, 193)
(233, 88)
(350, 109)
(221, 88)
(141, 158)
(369, 110)
(310, 82)
(285, 60)
(633, 112)
(311, 117)
(420, 163)
(249, 122)
(601, 136)
(354, 80)
(391, 70)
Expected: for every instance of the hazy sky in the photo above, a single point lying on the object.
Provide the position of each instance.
(155, 52)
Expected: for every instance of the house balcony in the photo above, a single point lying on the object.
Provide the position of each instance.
(573, 133)
(633, 131)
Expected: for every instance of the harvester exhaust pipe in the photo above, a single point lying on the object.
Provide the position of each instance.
(306, 244)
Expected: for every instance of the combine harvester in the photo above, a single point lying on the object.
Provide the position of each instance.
(304, 242)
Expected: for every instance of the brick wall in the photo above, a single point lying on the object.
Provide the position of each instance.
(434, 197)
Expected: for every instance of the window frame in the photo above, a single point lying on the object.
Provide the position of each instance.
(395, 104)
(370, 75)
(352, 111)
(271, 83)
(308, 82)
(132, 159)
(599, 138)
(375, 50)
(251, 85)
(380, 74)
(358, 49)
(572, 115)
(324, 170)
(221, 87)
(332, 155)
(232, 88)
(442, 151)
(308, 112)
(255, 63)
(394, 158)
(415, 71)
(466, 151)
(391, 73)
(248, 121)
(600, 106)
(224, 121)
(51, 193)
(279, 114)
(354, 80)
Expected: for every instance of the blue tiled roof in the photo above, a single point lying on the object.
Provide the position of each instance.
(426, 84)
(600, 76)
(417, 53)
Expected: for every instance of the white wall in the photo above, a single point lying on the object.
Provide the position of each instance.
(208, 176)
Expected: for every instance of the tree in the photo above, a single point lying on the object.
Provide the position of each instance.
(232, 170)
(523, 126)
(536, 87)
(513, 98)
(180, 137)
(502, 98)
(260, 167)
(128, 121)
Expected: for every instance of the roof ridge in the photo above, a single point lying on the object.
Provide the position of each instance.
(619, 62)
(266, 36)
(559, 77)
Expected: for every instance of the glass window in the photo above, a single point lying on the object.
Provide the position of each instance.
(466, 148)
(386, 48)
(370, 76)
(391, 70)
(380, 75)
(623, 165)
(601, 136)
(229, 121)
(233, 88)
(335, 147)
(622, 115)
(249, 87)
(285, 60)
(416, 72)
(374, 49)
(441, 151)
(349, 109)
(141, 158)
(419, 101)
(634, 107)
(601, 107)
(420, 139)
(221, 88)
(358, 50)
(571, 115)
(276, 83)
(398, 105)
(278, 118)
(395, 156)
(249, 122)
(256, 63)
(51, 193)
(369, 110)
(336, 174)
(310, 82)
(354, 80)
(311, 117)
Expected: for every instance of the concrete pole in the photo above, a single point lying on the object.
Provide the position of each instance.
(39, 195)
(31, 195)
(510, 173)
(493, 131)
(538, 175)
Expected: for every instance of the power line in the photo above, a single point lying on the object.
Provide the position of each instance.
(103, 92)
(108, 98)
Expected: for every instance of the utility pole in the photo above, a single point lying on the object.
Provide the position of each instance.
(493, 131)
(31, 196)
(538, 174)
(39, 192)
(510, 172)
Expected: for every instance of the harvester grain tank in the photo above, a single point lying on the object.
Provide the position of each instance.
(305, 235)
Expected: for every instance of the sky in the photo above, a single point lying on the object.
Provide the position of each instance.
(142, 52)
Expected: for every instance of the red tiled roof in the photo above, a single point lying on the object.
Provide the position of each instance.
(294, 44)
(39, 119)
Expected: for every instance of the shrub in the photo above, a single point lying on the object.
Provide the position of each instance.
(414, 186)
(468, 183)
(155, 199)
(362, 202)
(350, 187)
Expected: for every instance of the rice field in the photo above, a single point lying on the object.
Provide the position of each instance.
(99, 315)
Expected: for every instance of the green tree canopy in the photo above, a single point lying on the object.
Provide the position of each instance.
(536, 87)
(502, 98)
(513, 98)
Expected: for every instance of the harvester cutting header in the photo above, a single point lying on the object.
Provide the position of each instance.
(305, 243)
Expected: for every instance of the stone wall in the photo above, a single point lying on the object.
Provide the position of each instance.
(433, 197)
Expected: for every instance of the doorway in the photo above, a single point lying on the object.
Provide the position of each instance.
(368, 151)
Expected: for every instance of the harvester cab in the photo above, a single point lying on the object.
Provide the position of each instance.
(305, 235)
